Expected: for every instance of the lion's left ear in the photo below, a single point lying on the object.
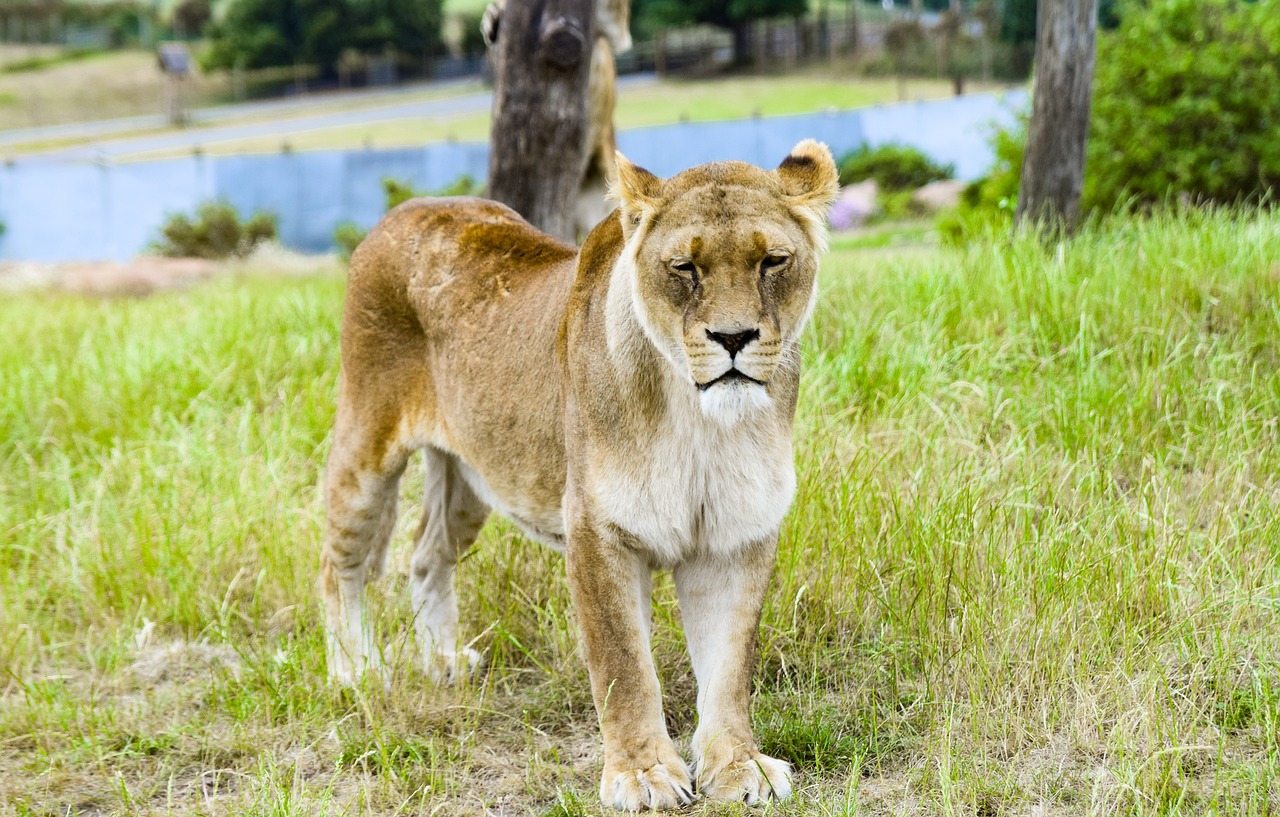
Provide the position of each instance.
(809, 179)
(637, 192)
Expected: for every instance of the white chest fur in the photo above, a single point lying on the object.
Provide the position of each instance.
(700, 487)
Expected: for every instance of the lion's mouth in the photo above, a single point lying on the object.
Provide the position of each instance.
(731, 376)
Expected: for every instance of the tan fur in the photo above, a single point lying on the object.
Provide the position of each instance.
(581, 395)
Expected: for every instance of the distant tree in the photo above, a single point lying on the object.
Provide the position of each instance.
(899, 39)
(734, 15)
(269, 33)
(410, 27)
(1018, 19)
(947, 34)
(988, 15)
(1018, 22)
(472, 40)
(190, 17)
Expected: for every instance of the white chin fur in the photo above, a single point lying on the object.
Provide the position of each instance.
(729, 403)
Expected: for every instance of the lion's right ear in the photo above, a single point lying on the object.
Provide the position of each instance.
(810, 179)
(637, 192)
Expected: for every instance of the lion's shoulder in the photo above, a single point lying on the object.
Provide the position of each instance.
(596, 260)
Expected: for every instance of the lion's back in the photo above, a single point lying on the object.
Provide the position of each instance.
(454, 255)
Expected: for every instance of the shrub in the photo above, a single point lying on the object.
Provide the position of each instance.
(1187, 101)
(216, 233)
(399, 192)
(347, 236)
(894, 167)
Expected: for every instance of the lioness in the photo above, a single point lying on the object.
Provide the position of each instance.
(630, 403)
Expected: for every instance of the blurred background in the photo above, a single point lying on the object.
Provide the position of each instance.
(135, 127)
(137, 112)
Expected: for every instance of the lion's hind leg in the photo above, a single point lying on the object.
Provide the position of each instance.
(452, 516)
(361, 485)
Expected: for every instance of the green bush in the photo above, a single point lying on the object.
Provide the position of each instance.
(216, 233)
(1187, 101)
(347, 236)
(399, 192)
(894, 167)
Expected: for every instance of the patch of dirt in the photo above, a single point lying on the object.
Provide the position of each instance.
(148, 274)
(183, 661)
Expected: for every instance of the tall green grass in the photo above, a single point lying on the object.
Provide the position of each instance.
(1032, 563)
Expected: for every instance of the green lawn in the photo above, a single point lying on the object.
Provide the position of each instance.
(1032, 567)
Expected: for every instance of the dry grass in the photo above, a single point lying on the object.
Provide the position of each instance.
(1032, 567)
(99, 86)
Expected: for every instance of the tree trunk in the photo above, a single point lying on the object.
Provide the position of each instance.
(855, 41)
(742, 43)
(1053, 168)
(537, 152)
(823, 32)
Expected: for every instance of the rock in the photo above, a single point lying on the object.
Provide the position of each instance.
(935, 197)
(856, 203)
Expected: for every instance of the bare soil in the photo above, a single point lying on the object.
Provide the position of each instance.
(148, 274)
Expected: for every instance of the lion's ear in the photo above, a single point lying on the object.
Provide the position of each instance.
(810, 179)
(637, 192)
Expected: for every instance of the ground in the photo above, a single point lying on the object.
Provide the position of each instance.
(149, 274)
(1032, 568)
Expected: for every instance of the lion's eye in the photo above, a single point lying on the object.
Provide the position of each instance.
(685, 268)
(773, 263)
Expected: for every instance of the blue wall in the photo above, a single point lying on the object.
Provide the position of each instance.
(87, 211)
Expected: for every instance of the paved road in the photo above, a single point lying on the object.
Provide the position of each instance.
(294, 115)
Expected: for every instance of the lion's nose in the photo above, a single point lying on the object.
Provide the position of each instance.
(733, 342)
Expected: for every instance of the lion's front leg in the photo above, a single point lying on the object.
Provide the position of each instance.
(720, 602)
(610, 587)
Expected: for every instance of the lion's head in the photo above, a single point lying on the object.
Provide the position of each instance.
(725, 262)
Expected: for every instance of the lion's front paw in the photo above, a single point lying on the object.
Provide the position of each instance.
(734, 773)
(348, 666)
(452, 667)
(665, 784)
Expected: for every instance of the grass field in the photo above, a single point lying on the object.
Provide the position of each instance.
(1031, 570)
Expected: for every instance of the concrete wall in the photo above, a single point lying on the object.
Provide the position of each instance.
(86, 211)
